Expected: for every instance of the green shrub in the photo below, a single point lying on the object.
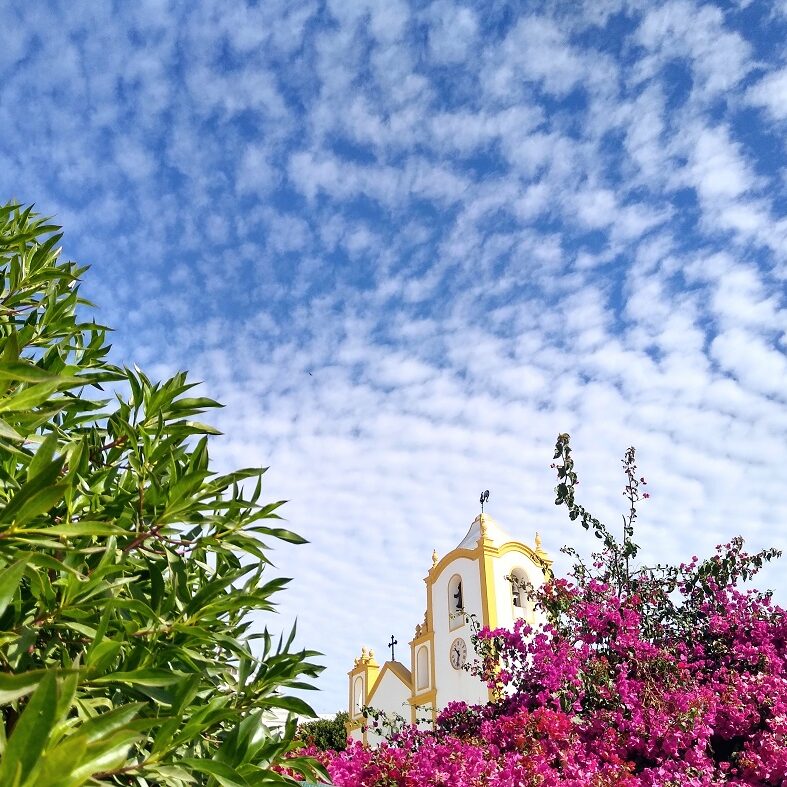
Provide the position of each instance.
(128, 568)
(325, 734)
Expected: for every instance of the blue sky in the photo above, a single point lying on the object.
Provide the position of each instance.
(409, 243)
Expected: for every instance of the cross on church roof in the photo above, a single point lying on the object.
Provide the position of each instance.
(391, 646)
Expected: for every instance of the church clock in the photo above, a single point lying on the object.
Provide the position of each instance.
(458, 653)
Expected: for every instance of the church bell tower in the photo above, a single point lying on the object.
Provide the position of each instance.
(485, 578)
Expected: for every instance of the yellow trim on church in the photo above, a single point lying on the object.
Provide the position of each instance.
(488, 594)
(449, 557)
(367, 666)
(399, 670)
(421, 700)
(539, 557)
(424, 636)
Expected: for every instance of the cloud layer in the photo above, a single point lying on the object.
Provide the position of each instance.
(408, 244)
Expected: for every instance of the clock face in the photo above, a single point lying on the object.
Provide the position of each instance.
(458, 653)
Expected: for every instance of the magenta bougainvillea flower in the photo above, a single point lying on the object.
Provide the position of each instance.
(648, 677)
(610, 694)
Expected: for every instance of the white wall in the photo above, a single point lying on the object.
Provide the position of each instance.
(502, 567)
(390, 696)
(422, 668)
(423, 716)
(454, 684)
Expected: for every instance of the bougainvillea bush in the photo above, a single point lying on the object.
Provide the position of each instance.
(642, 676)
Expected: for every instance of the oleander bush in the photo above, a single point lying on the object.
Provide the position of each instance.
(128, 567)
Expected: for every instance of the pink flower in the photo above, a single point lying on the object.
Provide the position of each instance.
(681, 682)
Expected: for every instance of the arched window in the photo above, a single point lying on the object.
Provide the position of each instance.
(422, 668)
(456, 602)
(520, 593)
(357, 696)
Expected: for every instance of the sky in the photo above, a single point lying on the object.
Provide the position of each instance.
(407, 244)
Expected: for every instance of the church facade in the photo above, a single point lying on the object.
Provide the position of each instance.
(485, 578)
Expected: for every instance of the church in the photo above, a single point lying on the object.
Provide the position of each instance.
(485, 578)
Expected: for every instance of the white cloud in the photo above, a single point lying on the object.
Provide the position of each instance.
(465, 131)
(729, 191)
(537, 50)
(475, 230)
(391, 186)
(254, 172)
(718, 169)
(752, 360)
(452, 32)
(645, 128)
(134, 159)
(596, 208)
(719, 57)
(770, 92)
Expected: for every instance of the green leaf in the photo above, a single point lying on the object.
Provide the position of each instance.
(81, 759)
(38, 488)
(224, 775)
(56, 766)
(11, 349)
(26, 372)
(68, 687)
(9, 433)
(80, 628)
(281, 534)
(142, 677)
(9, 581)
(31, 731)
(14, 686)
(29, 397)
(195, 403)
(108, 756)
(38, 503)
(74, 529)
(100, 656)
(43, 456)
(199, 428)
(110, 722)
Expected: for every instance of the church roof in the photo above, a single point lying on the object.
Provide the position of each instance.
(492, 531)
(398, 670)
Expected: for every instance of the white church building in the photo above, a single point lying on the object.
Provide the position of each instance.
(484, 578)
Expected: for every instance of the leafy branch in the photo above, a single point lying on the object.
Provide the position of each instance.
(131, 573)
(699, 581)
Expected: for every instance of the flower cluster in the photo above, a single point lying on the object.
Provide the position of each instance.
(650, 677)
(611, 693)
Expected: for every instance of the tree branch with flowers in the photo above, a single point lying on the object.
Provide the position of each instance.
(613, 565)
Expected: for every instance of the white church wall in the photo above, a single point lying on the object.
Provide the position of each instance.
(389, 695)
(452, 683)
(424, 717)
(504, 566)
(422, 677)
